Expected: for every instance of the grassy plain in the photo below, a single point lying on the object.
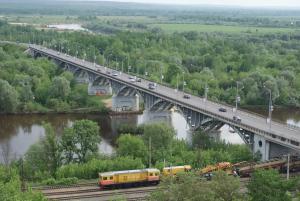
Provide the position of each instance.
(170, 28)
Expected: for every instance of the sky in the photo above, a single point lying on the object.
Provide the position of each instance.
(246, 3)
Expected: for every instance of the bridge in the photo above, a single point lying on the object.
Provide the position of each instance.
(200, 113)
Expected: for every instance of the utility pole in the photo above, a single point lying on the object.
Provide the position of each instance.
(150, 152)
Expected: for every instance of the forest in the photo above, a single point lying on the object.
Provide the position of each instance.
(29, 85)
(255, 62)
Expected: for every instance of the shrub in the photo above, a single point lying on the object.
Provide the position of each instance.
(91, 169)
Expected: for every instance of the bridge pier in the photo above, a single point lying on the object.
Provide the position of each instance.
(99, 89)
(125, 103)
(261, 145)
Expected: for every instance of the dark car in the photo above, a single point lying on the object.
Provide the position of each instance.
(222, 109)
(237, 119)
(186, 96)
(139, 80)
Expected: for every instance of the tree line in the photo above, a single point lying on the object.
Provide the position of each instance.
(38, 85)
(258, 63)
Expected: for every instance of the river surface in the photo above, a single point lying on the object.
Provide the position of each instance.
(75, 27)
(18, 132)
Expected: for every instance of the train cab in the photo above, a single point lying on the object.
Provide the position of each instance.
(153, 175)
(106, 179)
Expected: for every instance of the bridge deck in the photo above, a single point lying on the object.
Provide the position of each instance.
(279, 132)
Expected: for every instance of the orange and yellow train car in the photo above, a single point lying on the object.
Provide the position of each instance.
(128, 178)
(173, 170)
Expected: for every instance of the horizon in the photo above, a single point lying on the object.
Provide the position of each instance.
(231, 3)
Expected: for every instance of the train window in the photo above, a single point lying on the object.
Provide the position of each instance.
(151, 174)
(110, 178)
(156, 174)
(104, 178)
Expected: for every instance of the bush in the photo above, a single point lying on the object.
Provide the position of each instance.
(63, 181)
(91, 169)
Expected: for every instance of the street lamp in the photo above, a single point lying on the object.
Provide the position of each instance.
(108, 60)
(129, 68)
(206, 91)
(237, 97)
(184, 83)
(269, 119)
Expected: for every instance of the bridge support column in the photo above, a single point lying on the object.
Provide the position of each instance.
(261, 145)
(125, 103)
(99, 89)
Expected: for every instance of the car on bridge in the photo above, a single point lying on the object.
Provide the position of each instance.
(115, 73)
(222, 109)
(187, 96)
(237, 119)
(139, 80)
(152, 85)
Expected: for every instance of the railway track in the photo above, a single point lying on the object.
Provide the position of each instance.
(91, 190)
(129, 194)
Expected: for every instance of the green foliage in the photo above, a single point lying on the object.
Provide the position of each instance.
(91, 169)
(37, 85)
(10, 187)
(161, 136)
(60, 88)
(267, 185)
(133, 146)
(63, 181)
(43, 158)
(8, 97)
(189, 186)
(128, 128)
(81, 140)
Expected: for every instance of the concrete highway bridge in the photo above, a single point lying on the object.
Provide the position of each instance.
(270, 141)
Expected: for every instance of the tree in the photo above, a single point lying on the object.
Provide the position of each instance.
(201, 140)
(60, 88)
(82, 139)
(129, 145)
(51, 149)
(8, 97)
(267, 185)
(43, 157)
(67, 145)
(161, 136)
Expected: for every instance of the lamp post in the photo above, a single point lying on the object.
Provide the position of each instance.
(108, 60)
(177, 83)
(237, 97)
(206, 91)
(183, 82)
(270, 107)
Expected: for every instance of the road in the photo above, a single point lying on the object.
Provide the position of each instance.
(277, 132)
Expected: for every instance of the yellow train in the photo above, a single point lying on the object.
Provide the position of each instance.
(173, 170)
(129, 178)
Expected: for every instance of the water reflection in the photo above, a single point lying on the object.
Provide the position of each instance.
(18, 132)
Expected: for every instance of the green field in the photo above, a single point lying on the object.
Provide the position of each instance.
(170, 28)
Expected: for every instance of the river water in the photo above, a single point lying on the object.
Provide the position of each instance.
(18, 132)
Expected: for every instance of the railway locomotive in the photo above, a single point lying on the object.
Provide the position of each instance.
(127, 178)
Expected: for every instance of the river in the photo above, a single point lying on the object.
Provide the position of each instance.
(18, 132)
